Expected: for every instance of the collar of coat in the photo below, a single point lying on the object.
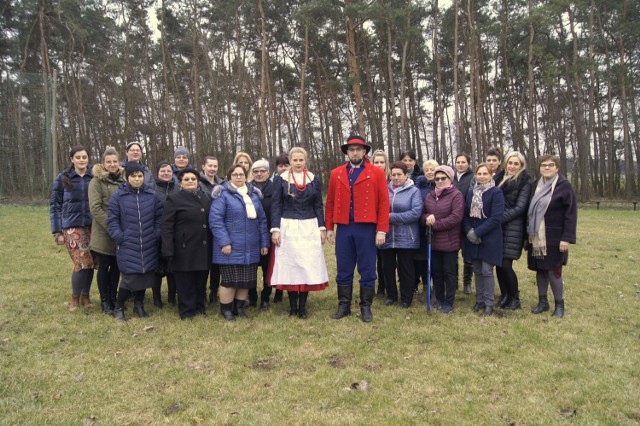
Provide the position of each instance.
(100, 173)
(226, 186)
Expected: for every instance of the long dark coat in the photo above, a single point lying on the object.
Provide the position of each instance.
(516, 202)
(186, 237)
(561, 221)
(488, 228)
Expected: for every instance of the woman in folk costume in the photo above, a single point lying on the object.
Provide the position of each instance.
(553, 217)
(298, 233)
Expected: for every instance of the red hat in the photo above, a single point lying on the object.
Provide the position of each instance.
(355, 140)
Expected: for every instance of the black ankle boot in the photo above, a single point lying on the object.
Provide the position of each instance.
(277, 298)
(302, 305)
(106, 306)
(366, 299)
(503, 301)
(558, 312)
(171, 291)
(514, 303)
(543, 305)
(240, 312)
(479, 306)
(118, 313)
(345, 292)
(226, 311)
(293, 303)
(138, 309)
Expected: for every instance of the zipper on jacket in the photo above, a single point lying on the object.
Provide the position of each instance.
(140, 225)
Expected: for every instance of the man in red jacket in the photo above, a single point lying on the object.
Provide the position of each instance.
(358, 202)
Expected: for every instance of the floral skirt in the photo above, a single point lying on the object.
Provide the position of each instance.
(77, 242)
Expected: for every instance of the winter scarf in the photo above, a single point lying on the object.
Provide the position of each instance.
(537, 209)
(476, 201)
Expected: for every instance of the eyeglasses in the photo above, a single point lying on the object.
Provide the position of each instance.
(237, 175)
(547, 165)
(259, 171)
(189, 179)
(440, 179)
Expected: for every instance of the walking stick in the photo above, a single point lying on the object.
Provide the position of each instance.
(428, 283)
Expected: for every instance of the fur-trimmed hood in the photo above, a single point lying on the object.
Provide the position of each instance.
(100, 173)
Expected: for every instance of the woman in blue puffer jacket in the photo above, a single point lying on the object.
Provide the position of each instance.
(239, 227)
(71, 222)
(134, 220)
(403, 238)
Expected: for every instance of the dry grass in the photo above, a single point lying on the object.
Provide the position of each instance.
(407, 367)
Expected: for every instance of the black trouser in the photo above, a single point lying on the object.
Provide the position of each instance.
(266, 289)
(108, 278)
(507, 278)
(402, 260)
(444, 269)
(380, 270)
(192, 289)
(214, 281)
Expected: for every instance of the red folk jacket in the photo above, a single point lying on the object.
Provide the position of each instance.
(371, 198)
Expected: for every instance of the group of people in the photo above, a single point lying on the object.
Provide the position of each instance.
(193, 226)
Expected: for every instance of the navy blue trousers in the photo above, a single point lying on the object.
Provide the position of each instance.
(356, 246)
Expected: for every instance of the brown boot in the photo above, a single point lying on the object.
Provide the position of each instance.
(73, 306)
(85, 301)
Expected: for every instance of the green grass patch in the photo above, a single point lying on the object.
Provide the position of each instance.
(403, 368)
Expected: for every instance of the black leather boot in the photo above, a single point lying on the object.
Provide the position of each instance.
(479, 306)
(345, 293)
(225, 311)
(488, 311)
(302, 304)
(543, 305)
(502, 301)
(366, 299)
(558, 312)
(293, 303)
(278, 297)
(514, 302)
(118, 312)
(138, 309)
(240, 308)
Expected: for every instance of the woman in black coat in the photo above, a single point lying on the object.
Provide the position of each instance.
(516, 187)
(553, 218)
(186, 242)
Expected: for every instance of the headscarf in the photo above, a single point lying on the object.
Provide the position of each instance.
(537, 209)
(476, 201)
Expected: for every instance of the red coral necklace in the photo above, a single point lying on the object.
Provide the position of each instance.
(299, 187)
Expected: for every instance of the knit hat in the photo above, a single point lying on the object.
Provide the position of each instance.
(131, 168)
(355, 140)
(181, 150)
(161, 164)
(446, 170)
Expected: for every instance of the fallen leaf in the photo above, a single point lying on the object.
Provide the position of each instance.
(361, 386)
(35, 396)
(78, 378)
(198, 420)
(568, 412)
(173, 408)
(89, 421)
(148, 328)
(57, 395)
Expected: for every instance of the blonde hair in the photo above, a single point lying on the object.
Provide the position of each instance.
(430, 162)
(248, 157)
(504, 167)
(381, 153)
(298, 150)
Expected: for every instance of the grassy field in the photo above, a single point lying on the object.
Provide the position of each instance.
(403, 368)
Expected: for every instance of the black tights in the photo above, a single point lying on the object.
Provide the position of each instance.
(507, 278)
(124, 293)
